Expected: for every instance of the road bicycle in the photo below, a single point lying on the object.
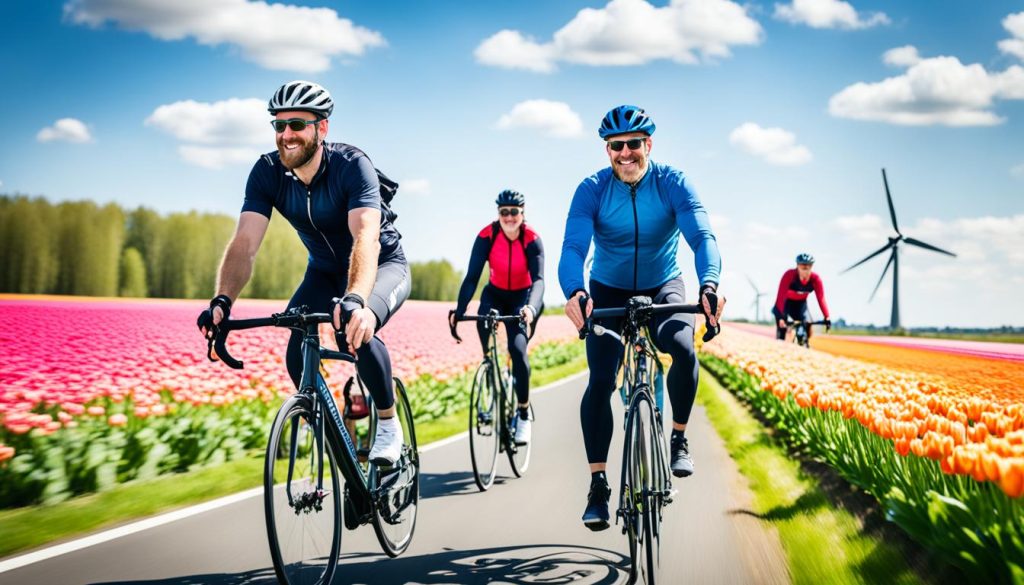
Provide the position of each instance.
(310, 452)
(646, 482)
(799, 328)
(493, 414)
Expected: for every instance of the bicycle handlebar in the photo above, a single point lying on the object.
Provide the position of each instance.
(492, 317)
(639, 306)
(291, 319)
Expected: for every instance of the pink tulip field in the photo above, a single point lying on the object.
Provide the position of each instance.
(94, 392)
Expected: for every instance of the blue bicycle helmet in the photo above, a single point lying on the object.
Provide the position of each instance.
(804, 258)
(509, 197)
(625, 119)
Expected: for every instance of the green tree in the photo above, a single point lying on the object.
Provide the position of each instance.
(280, 263)
(28, 256)
(435, 280)
(133, 274)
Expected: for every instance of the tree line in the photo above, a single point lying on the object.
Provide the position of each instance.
(81, 248)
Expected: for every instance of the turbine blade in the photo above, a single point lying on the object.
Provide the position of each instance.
(879, 251)
(888, 197)
(752, 285)
(887, 265)
(921, 244)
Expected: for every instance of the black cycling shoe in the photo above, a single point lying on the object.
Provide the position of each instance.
(682, 463)
(595, 517)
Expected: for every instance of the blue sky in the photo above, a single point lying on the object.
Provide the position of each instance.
(783, 114)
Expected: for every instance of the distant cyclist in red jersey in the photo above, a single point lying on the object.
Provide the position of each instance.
(794, 288)
(516, 286)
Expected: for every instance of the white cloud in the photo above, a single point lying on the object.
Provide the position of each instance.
(414, 186)
(217, 157)
(994, 240)
(905, 56)
(218, 134)
(938, 90)
(774, 145)
(275, 36)
(827, 14)
(863, 227)
(511, 50)
(1015, 46)
(552, 118)
(67, 130)
(630, 32)
(231, 121)
(1018, 171)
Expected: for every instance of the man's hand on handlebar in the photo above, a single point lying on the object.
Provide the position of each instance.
(712, 305)
(574, 309)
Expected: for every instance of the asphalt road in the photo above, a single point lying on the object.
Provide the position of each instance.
(524, 530)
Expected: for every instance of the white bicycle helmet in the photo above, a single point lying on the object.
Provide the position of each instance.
(303, 96)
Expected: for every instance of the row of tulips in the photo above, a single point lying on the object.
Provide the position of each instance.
(124, 391)
(947, 465)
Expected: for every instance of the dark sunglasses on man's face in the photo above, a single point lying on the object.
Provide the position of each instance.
(296, 124)
(632, 143)
(507, 212)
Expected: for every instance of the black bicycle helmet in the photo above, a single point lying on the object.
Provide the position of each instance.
(804, 258)
(510, 197)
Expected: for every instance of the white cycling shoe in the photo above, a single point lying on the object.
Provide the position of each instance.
(523, 430)
(387, 443)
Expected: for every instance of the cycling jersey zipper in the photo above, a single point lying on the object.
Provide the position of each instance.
(309, 210)
(509, 262)
(636, 235)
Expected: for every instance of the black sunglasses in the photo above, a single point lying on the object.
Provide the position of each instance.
(507, 212)
(632, 143)
(296, 124)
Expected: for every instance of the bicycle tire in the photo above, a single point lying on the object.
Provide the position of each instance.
(654, 484)
(299, 538)
(484, 427)
(627, 494)
(395, 511)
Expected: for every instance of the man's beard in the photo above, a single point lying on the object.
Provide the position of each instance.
(641, 171)
(293, 160)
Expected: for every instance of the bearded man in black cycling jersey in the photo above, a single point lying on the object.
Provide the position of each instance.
(330, 193)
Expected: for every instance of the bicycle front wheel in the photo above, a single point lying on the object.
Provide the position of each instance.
(654, 485)
(518, 455)
(398, 488)
(484, 427)
(301, 497)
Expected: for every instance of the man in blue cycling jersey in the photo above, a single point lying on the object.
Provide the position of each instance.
(634, 212)
(330, 193)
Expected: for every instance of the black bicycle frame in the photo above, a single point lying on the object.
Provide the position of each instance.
(314, 387)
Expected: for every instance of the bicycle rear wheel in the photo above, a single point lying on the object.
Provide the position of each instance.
(303, 514)
(484, 425)
(398, 488)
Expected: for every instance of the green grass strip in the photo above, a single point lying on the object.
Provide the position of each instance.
(30, 527)
(823, 544)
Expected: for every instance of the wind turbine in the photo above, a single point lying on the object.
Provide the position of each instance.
(757, 300)
(894, 260)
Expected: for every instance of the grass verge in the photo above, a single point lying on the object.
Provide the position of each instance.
(30, 527)
(823, 543)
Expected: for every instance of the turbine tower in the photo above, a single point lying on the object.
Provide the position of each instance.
(757, 300)
(894, 260)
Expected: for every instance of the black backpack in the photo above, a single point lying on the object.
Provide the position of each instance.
(388, 187)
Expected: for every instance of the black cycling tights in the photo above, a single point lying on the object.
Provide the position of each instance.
(508, 302)
(672, 334)
(374, 364)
